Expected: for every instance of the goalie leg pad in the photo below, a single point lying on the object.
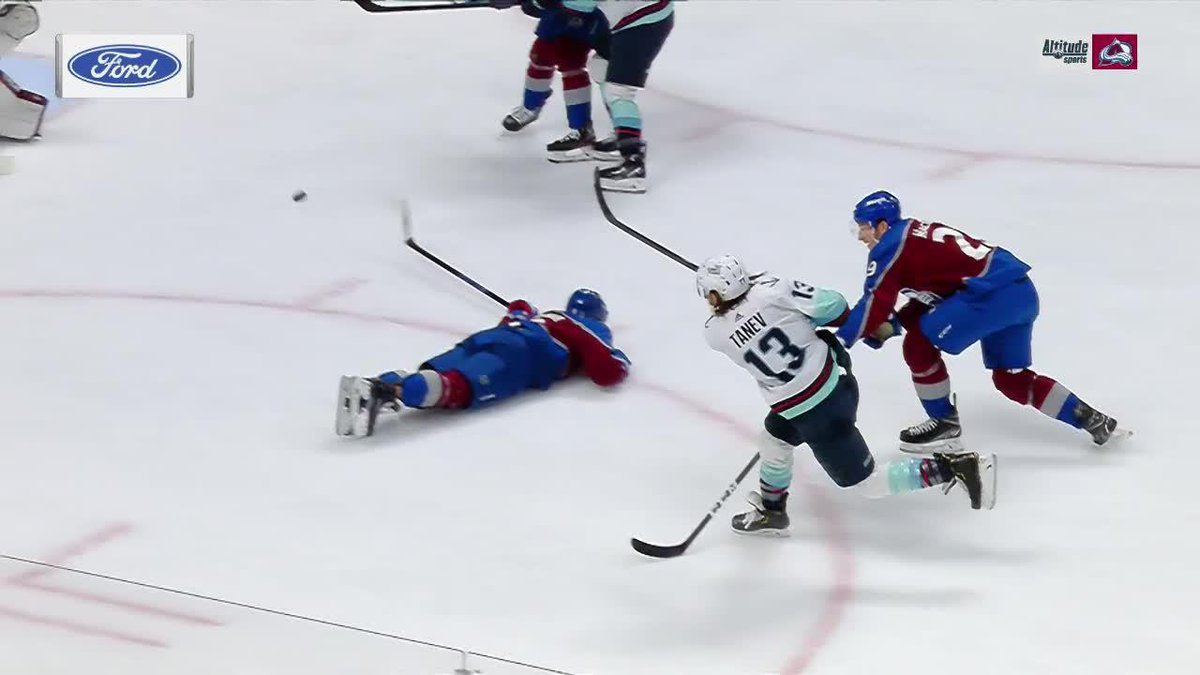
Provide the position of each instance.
(21, 111)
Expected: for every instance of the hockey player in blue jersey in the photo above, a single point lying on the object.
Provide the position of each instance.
(566, 32)
(961, 290)
(526, 350)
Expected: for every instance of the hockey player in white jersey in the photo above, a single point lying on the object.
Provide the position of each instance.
(21, 111)
(768, 326)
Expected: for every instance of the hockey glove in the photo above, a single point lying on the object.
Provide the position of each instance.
(887, 330)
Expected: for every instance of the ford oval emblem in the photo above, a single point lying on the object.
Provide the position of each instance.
(124, 65)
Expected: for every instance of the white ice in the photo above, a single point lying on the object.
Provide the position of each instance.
(173, 328)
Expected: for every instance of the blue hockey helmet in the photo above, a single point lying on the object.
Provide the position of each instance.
(585, 303)
(877, 206)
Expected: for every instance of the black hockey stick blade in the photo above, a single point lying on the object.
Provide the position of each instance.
(656, 551)
(616, 222)
(374, 8)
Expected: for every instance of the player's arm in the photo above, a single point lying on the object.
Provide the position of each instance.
(873, 311)
(823, 306)
(604, 365)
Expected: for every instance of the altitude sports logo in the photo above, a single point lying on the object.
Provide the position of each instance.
(1106, 51)
(1067, 51)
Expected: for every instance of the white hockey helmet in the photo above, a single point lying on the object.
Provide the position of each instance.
(724, 275)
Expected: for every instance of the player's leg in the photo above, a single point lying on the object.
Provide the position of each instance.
(539, 77)
(571, 55)
(633, 51)
(1008, 353)
(941, 432)
(776, 444)
(831, 431)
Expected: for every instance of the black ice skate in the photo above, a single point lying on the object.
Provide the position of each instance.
(767, 519)
(934, 435)
(629, 176)
(359, 402)
(605, 150)
(520, 118)
(1102, 427)
(573, 147)
(974, 472)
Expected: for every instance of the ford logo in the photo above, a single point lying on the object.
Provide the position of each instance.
(124, 65)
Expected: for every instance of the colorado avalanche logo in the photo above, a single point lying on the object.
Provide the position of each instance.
(1117, 53)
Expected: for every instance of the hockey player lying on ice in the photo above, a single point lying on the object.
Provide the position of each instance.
(527, 350)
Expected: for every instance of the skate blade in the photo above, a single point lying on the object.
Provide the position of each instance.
(950, 446)
(987, 480)
(630, 185)
(343, 424)
(566, 156)
(598, 156)
(767, 533)
(1116, 436)
(353, 419)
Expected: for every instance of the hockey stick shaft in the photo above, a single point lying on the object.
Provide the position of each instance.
(616, 222)
(370, 6)
(409, 241)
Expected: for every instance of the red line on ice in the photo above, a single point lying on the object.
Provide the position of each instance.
(28, 581)
(970, 156)
(75, 549)
(77, 628)
(330, 292)
(128, 605)
(836, 539)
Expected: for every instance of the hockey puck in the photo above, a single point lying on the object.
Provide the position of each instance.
(299, 196)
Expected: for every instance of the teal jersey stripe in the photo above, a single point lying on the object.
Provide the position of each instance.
(812, 401)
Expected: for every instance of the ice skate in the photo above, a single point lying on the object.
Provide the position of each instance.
(629, 176)
(976, 473)
(520, 117)
(573, 147)
(359, 402)
(605, 150)
(763, 520)
(1103, 428)
(942, 435)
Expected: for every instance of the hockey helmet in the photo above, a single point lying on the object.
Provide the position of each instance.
(724, 275)
(585, 303)
(877, 206)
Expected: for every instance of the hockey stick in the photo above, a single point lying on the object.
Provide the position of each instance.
(656, 551)
(380, 9)
(409, 241)
(612, 218)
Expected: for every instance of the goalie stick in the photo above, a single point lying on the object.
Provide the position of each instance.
(656, 551)
(374, 8)
(409, 241)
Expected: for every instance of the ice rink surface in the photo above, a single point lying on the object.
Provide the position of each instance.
(174, 326)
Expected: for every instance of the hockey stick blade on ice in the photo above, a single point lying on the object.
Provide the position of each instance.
(656, 551)
(616, 222)
(375, 8)
(407, 229)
